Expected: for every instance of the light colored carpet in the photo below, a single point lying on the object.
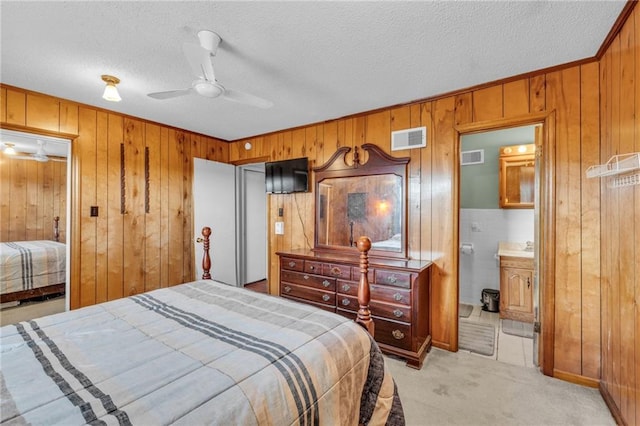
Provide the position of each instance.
(31, 310)
(460, 388)
(517, 328)
(476, 337)
(464, 310)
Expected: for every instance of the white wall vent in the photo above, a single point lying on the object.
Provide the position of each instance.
(472, 157)
(409, 138)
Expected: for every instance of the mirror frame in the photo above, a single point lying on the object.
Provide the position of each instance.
(377, 163)
(510, 157)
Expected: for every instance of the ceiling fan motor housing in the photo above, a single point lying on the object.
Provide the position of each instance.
(209, 89)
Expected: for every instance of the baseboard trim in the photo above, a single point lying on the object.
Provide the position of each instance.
(613, 408)
(576, 378)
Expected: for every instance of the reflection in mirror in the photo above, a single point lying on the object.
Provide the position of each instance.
(368, 198)
(370, 206)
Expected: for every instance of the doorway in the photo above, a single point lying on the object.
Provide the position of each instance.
(36, 210)
(231, 200)
(487, 226)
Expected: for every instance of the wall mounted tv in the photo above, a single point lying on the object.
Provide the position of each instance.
(287, 176)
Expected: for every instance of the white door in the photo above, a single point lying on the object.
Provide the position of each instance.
(214, 205)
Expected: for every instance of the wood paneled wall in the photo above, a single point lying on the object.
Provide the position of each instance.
(32, 193)
(620, 216)
(138, 174)
(571, 96)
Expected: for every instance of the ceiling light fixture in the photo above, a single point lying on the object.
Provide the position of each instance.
(110, 91)
(8, 148)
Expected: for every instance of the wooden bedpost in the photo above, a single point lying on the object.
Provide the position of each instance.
(56, 229)
(364, 292)
(206, 259)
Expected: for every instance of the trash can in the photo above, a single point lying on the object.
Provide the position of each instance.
(490, 300)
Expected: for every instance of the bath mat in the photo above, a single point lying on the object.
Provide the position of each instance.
(476, 337)
(464, 310)
(517, 328)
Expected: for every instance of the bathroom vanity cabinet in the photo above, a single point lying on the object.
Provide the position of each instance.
(516, 288)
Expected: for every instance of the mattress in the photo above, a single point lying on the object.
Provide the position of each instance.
(197, 353)
(27, 265)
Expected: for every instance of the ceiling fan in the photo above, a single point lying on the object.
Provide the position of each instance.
(40, 154)
(199, 58)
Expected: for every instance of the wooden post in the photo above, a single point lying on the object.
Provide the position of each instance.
(56, 229)
(364, 292)
(206, 259)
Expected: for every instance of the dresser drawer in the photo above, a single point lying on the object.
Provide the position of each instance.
(292, 264)
(392, 333)
(355, 274)
(390, 294)
(338, 271)
(313, 267)
(317, 281)
(347, 287)
(378, 309)
(307, 293)
(394, 278)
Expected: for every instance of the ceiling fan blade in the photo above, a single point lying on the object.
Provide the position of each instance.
(199, 59)
(247, 99)
(169, 94)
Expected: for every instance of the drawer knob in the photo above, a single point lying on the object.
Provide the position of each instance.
(391, 279)
(397, 297)
(398, 313)
(397, 334)
(287, 289)
(336, 271)
(326, 283)
(326, 297)
(292, 264)
(346, 302)
(306, 277)
(312, 267)
(346, 287)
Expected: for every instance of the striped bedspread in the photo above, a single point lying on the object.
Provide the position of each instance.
(25, 265)
(198, 353)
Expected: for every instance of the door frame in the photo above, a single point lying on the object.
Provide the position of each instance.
(72, 208)
(545, 264)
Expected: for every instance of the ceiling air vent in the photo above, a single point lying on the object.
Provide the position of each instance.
(472, 157)
(409, 138)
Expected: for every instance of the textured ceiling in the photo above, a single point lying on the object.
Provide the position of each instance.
(315, 61)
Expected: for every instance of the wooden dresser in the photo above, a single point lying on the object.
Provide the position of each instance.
(399, 295)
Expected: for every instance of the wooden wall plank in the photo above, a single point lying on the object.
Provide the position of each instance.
(5, 197)
(626, 213)
(68, 117)
(16, 107)
(176, 144)
(33, 182)
(102, 221)
(590, 226)
(86, 145)
(563, 94)
(163, 195)
(188, 260)
(153, 210)
(488, 103)
(516, 98)
(414, 206)
(426, 185)
(3, 104)
(43, 112)
(444, 290)
(134, 218)
(115, 217)
(537, 93)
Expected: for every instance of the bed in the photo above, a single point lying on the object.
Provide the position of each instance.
(393, 243)
(32, 268)
(197, 353)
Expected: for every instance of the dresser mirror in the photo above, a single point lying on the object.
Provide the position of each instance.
(355, 198)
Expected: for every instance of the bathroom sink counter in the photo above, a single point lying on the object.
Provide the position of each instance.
(510, 249)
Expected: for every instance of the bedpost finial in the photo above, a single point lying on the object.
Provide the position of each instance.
(363, 244)
(206, 231)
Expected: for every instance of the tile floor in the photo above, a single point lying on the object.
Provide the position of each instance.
(510, 349)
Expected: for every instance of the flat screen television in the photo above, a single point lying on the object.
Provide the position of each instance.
(287, 176)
